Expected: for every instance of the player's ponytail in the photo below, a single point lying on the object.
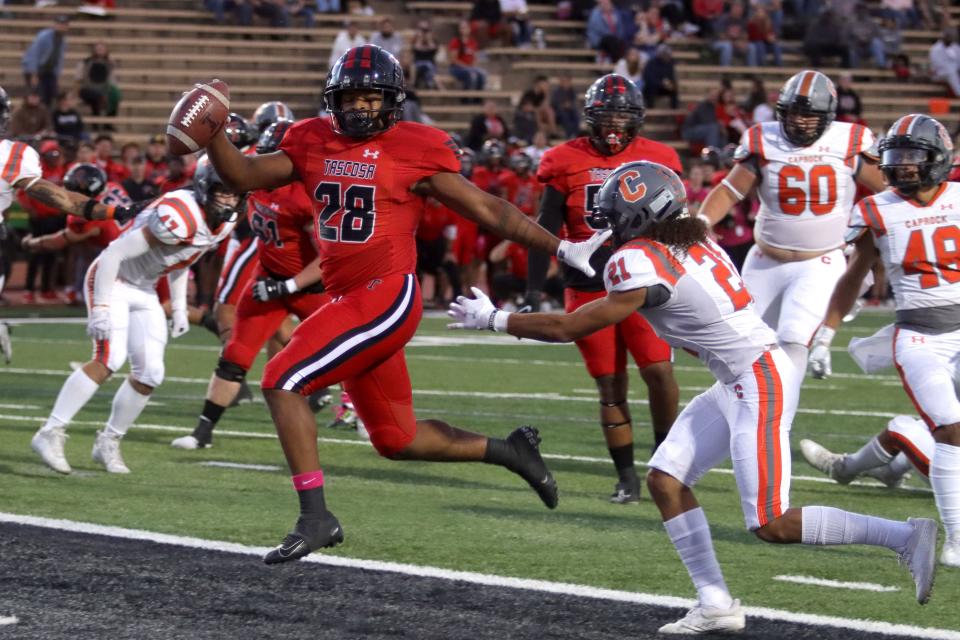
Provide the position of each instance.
(679, 233)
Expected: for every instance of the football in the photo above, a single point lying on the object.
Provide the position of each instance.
(198, 116)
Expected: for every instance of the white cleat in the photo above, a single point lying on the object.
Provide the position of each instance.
(825, 461)
(187, 442)
(950, 556)
(106, 451)
(6, 349)
(701, 620)
(920, 555)
(48, 444)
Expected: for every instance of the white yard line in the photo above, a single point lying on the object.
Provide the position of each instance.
(21, 406)
(837, 584)
(241, 466)
(4, 620)
(542, 586)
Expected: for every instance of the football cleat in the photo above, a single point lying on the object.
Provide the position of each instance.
(48, 444)
(320, 399)
(708, 620)
(307, 536)
(626, 492)
(190, 442)
(919, 555)
(6, 349)
(526, 443)
(345, 417)
(106, 451)
(950, 556)
(822, 459)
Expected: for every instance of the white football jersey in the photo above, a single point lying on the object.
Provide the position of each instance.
(806, 193)
(18, 161)
(709, 312)
(177, 221)
(920, 245)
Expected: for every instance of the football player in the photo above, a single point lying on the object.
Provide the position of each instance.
(367, 174)
(270, 112)
(285, 281)
(665, 267)
(20, 169)
(521, 186)
(125, 318)
(915, 227)
(805, 168)
(573, 173)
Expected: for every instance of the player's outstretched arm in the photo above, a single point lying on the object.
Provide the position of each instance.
(57, 241)
(244, 173)
(479, 313)
(269, 289)
(53, 195)
(847, 289)
(734, 188)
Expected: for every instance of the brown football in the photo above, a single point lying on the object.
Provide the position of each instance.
(198, 116)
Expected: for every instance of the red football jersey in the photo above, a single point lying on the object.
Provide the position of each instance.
(523, 193)
(577, 170)
(517, 257)
(115, 195)
(435, 220)
(365, 213)
(492, 181)
(281, 219)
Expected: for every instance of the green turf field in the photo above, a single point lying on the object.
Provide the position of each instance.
(458, 516)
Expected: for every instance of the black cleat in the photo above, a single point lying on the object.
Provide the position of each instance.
(307, 536)
(320, 399)
(626, 493)
(526, 442)
(243, 394)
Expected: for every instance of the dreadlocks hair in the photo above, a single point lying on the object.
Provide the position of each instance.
(680, 232)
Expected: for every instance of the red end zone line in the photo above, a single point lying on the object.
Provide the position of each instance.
(543, 586)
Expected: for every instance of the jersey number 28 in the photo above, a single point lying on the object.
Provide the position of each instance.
(356, 202)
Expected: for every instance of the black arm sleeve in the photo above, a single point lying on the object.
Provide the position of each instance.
(553, 205)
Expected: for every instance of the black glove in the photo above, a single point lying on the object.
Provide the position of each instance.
(123, 215)
(269, 289)
(531, 299)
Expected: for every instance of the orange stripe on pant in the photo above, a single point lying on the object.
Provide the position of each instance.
(920, 461)
(769, 415)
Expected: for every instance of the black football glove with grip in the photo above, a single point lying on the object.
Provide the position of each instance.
(270, 289)
(123, 215)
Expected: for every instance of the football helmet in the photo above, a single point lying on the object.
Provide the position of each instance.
(467, 162)
(492, 152)
(916, 153)
(206, 181)
(367, 67)
(805, 96)
(4, 111)
(85, 178)
(270, 112)
(238, 131)
(613, 109)
(521, 163)
(272, 136)
(637, 195)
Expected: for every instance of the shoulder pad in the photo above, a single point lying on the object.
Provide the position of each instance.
(172, 221)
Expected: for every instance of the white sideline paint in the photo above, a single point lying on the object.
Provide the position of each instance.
(238, 465)
(837, 584)
(20, 406)
(543, 586)
(365, 443)
(8, 620)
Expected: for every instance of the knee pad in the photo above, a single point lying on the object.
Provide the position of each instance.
(230, 371)
(389, 440)
(151, 375)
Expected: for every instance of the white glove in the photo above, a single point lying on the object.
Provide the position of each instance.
(476, 313)
(818, 362)
(98, 324)
(179, 323)
(577, 254)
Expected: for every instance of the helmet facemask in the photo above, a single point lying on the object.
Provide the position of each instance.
(364, 123)
(801, 125)
(611, 130)
(909, 169)
(222, 206)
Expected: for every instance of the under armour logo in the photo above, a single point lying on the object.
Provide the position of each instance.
(918, 339)
(946, 206)
(370, 153)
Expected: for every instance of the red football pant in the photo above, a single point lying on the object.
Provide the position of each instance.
(605, 351)
(257, 321)
(358, 339)
(237, 271)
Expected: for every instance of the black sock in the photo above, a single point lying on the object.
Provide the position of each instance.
(209, 322)
(208, 420)
(312, 503)
(658, 438)
(623, 460)
(500, 452)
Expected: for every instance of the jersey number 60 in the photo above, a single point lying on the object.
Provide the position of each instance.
(356, 202)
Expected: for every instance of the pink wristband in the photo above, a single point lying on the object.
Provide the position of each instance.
(308, 480)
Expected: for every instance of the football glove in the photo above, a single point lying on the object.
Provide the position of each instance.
(577, 254)
(270, 289)
(123, 215)
(98, 324)
(179, 323)
(476, 313)
(531, 300)
(818, 361)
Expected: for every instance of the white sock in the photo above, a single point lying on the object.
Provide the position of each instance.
(75, 392)
(690, 534)
(798, 356)
(827, 525)
(945, 480)
(128, 404)
(869, 456)
(900, 464)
